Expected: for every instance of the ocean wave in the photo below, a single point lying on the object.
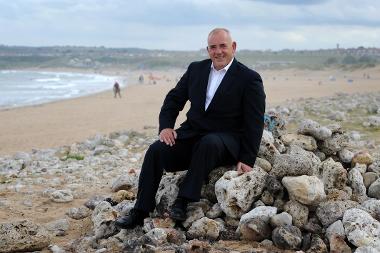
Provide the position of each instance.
(32, 87)
(44, 80)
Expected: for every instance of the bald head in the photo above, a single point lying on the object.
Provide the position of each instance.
(220, 47)
(219, 30)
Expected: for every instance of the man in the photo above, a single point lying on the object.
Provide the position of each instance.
(224, 126)
(116, 90)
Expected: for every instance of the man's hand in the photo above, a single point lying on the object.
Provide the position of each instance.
(242, 168)
(168, 135)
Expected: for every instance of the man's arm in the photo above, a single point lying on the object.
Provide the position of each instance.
(254, 109)
(174, 102)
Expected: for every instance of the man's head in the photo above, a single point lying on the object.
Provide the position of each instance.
(220, 47)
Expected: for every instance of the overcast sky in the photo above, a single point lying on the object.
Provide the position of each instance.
(184, 24)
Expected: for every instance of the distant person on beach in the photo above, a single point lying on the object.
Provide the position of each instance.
(116, 90)
(141, 79)
(224, 126)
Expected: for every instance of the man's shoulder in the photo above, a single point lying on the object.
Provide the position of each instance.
(203, 63)
(246, 71)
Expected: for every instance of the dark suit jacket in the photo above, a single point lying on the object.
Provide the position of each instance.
(236, 112)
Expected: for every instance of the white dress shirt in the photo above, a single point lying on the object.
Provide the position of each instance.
(214, 80)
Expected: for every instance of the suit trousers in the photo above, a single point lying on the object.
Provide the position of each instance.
(198, 155)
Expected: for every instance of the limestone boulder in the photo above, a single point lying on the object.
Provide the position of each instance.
(264, 164)
(125, 182)
(236, 193)
(193, 214)
(317, 245)
(78, 213)
(336, 143)
(310, 127)
(372, 206)
(281, 219)
(255, 225)
(374, 189)
(361, 228)
(304, 141)
(204, 228)
(369, 178)
(62, 196)
(215, 211)
(21, 236)
(308, 190)
(298, 211)
(167, 191)
(362, 157)
(335, 229)
(333, 175)
(103, 218)
(208, 189)
(58, 227)
(156, 236)
(338, 244)
(345, 155)
(330, 211)
(287, 237)
(357, 185)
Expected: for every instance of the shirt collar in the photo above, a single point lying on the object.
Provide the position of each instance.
(225, 68)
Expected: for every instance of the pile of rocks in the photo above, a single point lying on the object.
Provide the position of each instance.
(310, 191)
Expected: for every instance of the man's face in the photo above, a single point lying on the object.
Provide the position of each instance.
(221, 49)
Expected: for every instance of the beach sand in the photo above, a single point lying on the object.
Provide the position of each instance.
(65, 122)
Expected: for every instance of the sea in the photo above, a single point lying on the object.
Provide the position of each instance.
(24, 88)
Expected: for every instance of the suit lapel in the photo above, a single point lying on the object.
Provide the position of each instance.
(226, 82)
(204, 79)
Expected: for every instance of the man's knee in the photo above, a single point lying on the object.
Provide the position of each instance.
(155, 148)
(211, 141)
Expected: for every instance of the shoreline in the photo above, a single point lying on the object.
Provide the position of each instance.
(64, 122)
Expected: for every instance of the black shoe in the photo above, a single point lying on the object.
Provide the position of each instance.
(178, 210)
(133, 219)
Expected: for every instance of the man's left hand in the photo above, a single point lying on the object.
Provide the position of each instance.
(242, 168)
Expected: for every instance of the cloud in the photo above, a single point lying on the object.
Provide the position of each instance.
(184, 24)
(292, 2)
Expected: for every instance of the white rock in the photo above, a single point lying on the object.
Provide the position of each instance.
(372, 206)
(158, 236)
(254, 225)
(345, 155)
(215, 211)
(21, 236)
(367, 249)
(374, 189)
(357, 184)
(193, 214)
(204, 227)
(236, 193)
(333, 175)
(335, 228)
(361, 229)
(102, 218)
(281, 219)
(304, 141)
(62, 196)
(58, 227)
(307, 190)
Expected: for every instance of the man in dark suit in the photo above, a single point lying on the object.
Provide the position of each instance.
(224, 126)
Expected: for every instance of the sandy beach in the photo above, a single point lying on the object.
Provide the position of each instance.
(65, 122)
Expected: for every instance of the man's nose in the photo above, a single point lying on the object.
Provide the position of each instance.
(218, 50)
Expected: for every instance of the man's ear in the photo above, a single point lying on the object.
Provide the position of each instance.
(234, 45)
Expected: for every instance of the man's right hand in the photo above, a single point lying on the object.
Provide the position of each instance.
(168, 135)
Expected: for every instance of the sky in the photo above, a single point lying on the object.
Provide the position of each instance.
(185, 24)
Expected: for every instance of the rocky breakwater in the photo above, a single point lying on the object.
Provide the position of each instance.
(313, 190)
